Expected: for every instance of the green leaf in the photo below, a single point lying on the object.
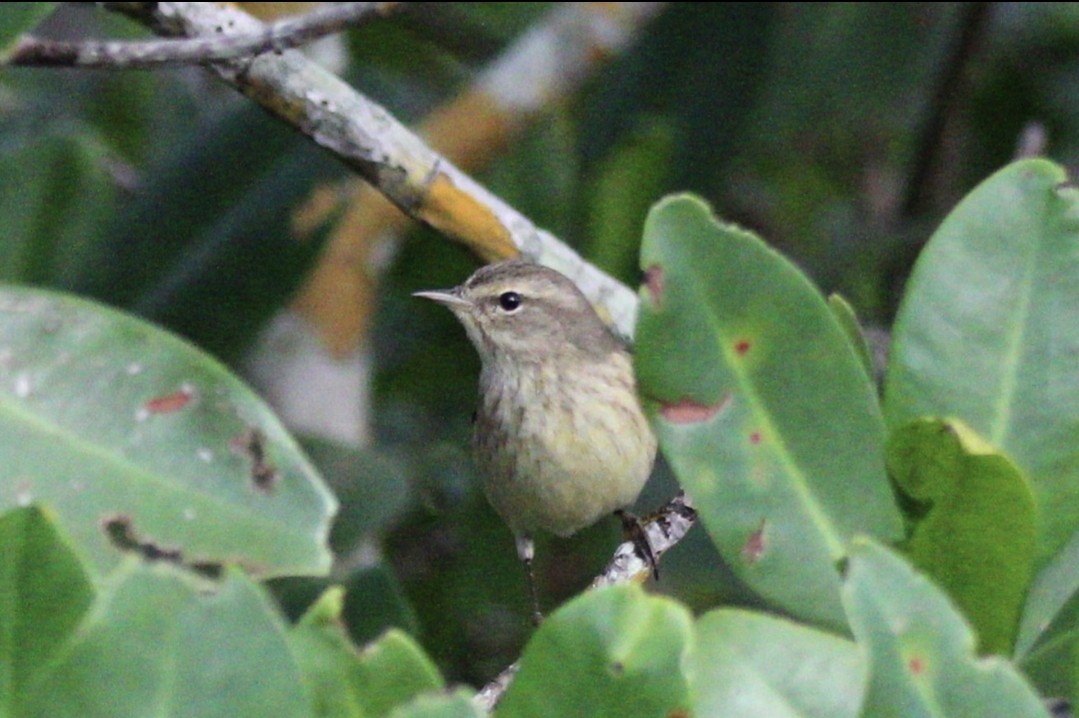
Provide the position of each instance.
(457, 705)
(54, 192)
(921, 652)
(748, 664)
(17, 18)
(1053, 592)
(986, 332)
(212, 254)
(627, 182)
(344, 682)
(137, 439)
(613, 651)
(44, 592)
(162, 642)
(977, 539)
(761, 405)
(848, 320)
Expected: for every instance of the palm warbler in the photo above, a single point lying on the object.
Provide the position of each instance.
(559, 434)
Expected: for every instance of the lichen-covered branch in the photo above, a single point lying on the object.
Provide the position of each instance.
(278, 36)
(382, 150)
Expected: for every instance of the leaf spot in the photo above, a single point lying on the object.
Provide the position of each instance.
(742, 347)
(688, 411)
(653, 281)
(756, 544)
(170, 403)
(617, 668)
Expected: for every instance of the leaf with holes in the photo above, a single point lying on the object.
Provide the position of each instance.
(141, 442)
(762, 406)
(921, 652)
(987, 333)
(346, 682)
(613, 651)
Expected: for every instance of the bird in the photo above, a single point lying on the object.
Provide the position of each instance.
(559, 435)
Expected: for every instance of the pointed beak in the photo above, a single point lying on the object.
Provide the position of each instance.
(447, 297)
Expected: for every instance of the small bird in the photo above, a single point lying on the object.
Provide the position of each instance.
(559, 434)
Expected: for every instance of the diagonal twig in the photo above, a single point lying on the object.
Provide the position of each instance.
(276, 37)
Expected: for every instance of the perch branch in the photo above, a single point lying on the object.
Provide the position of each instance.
(275, 37)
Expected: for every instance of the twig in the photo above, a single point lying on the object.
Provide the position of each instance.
(276, 37)
(385, 153)
(920, 185)
(664, 529)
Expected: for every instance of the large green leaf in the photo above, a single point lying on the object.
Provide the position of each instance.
(921, 652)
(762, 407)
(747, 664)
(987, 332)
(162, 642)
(612, 652)
(139, 440)
(205, 246)
(977, 538)
(44, 592)
(345, 682)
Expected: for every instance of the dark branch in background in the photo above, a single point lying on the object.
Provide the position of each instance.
(278, 36)
(927, 160)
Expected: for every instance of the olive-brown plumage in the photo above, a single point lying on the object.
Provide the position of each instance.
(559, 435)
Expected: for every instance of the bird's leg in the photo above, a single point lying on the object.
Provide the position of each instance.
(634, 531)
(526, 551)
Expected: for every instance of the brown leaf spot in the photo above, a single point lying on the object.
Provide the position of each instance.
(617, 668)
(917, 665)
(755, 545)
(653, 282)
(755, 438)
(171, 402)
(688, 411)
(741, 347)
(252, 445)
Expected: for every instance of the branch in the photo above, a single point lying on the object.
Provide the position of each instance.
(664, 529)
(366, 137)
(276, 37)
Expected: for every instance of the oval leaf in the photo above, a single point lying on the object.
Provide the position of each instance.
(164, 643)
(614, 652)
(977, 538)
(45, 593)
(762, 407)
(752, 665)
(921, 652)
(141, 442)
(987, 332)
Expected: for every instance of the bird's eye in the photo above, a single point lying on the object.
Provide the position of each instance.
(509, 301)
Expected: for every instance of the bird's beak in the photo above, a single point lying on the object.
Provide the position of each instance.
(447, 297)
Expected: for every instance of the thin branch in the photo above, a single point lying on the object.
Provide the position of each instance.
(664, 529)
(277, 37)
(384, 152)
(920, 185)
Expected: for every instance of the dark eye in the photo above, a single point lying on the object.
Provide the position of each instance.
(509, 301)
